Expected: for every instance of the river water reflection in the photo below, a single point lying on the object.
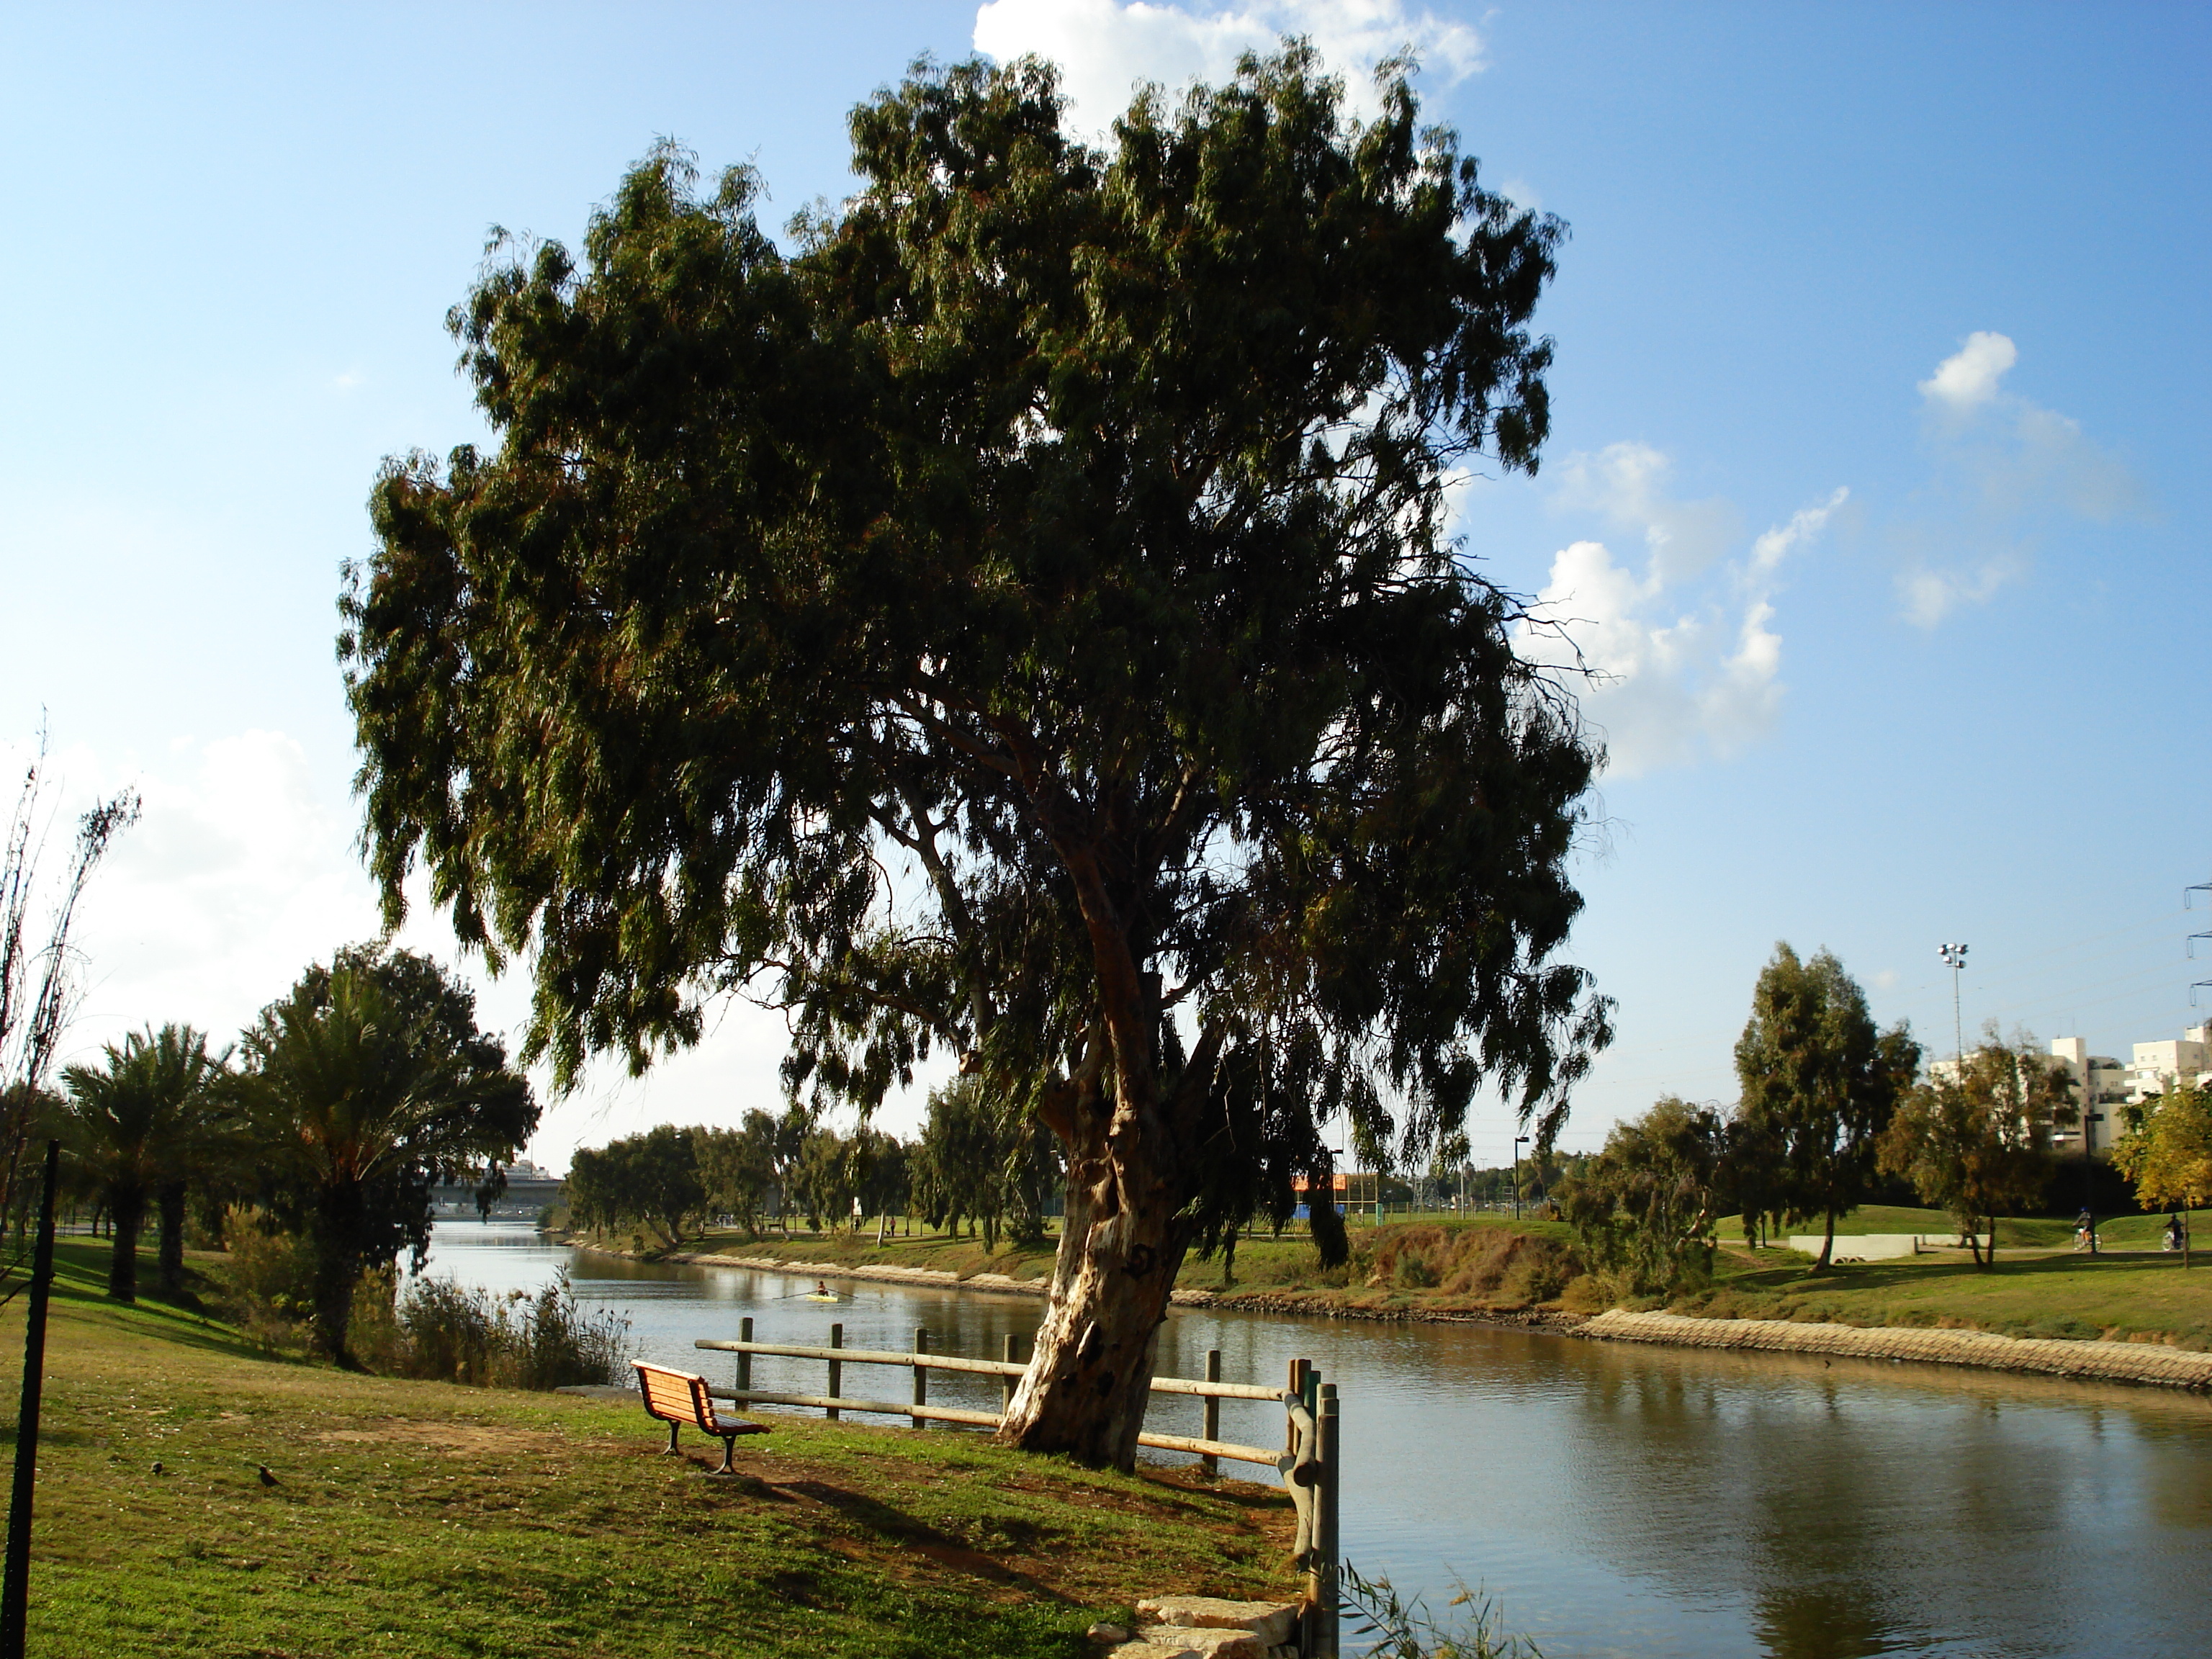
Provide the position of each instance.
(1618, 1500)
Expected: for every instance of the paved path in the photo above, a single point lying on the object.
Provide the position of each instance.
(2151, 1363)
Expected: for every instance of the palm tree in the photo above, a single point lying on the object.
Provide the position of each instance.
(364, 1088)
(140, 1127)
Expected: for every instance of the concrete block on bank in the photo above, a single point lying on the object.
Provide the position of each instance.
(1270, 1624)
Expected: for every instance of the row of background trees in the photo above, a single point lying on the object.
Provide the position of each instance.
(1834, 1112)
(981, 1162)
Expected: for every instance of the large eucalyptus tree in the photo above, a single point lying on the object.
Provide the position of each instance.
(1069, 524)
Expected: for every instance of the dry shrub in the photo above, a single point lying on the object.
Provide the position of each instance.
(515, 1341)
(1491, 1262)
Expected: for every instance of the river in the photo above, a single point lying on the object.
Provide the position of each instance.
(1617, 1499)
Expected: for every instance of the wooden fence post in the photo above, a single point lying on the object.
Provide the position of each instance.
(1297, 1386)
(1006, 1383)
(744, 1360)
(1331, 1480)
(836, 1367)
(1210, 1464)
(920, 1371)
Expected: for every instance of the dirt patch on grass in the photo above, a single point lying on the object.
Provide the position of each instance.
(462, 1439)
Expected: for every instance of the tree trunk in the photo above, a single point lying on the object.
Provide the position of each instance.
(1827, 1245)
(171, 1255)
(1089, 1377)
(127, 1207)
(337, 1271)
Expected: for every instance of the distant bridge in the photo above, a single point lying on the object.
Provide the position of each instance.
(521, 1197)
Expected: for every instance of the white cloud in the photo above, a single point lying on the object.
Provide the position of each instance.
(1105, 49)
(1678, 674)
(1626, 482)
(1969, 377)
(1928, 595)
(2001, 463)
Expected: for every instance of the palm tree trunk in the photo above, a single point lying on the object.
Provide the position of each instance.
(171, 1254)
(127, 1207)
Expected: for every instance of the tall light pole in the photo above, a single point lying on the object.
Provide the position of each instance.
(1519, 1141)
(1954, 957)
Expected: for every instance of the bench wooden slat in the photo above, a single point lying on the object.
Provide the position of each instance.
(676, 1397)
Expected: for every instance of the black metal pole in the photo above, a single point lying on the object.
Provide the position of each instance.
(16, 1590)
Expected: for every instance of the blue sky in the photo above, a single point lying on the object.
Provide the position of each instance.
(1877, 478)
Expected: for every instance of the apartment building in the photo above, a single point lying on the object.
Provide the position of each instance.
(2106, 1082)
(2161, 1066)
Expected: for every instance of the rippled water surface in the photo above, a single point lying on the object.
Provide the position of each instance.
(1618, 1500)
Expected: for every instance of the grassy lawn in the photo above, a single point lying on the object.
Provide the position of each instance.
(422, 1518)
(2143, 1298)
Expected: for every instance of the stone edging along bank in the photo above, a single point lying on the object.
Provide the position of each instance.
(2151, 1363)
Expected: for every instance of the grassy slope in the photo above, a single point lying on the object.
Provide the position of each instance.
(418, 1519)
(1278, 1271)
(2133, 1233)
(2120, 1297)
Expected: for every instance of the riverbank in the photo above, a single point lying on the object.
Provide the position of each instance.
(426, 1519)
(2106, 1313)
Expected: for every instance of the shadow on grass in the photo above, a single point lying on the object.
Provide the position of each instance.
(901, 1529)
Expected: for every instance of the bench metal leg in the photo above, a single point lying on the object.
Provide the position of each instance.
(729, 1452)
(672, 1440)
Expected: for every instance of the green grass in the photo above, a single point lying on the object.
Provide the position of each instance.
(420, 1518)
(2133, 1233)
(2120, 1298)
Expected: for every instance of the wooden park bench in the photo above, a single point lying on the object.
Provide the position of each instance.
(678, 1397)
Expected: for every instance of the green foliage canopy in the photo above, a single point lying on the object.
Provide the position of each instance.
(2168, 1152)
(363, 1089)
(1976, 1139)
(138, 1127)
(1068, 524)
(1818, 1083)
(1644, 1207)
(651, 1180)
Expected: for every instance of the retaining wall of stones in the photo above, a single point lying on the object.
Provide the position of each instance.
(2149, 1363)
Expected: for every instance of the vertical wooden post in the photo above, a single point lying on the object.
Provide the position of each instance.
(920, 1371)
(836, 1368)
(16, 1582)
(1210, 1464)
(1006, 1384)
(1296, 1385)
(744, 1360)
(1332, 1481)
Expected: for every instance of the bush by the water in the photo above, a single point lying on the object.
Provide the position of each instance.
(514, 1341)
(432, 1328)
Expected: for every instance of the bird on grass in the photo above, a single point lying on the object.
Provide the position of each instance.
(157, 1466)
(267, 1479)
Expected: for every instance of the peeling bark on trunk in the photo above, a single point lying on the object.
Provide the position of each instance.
(1090, 1379)
(1122, 1243)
